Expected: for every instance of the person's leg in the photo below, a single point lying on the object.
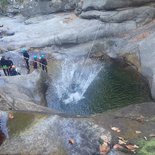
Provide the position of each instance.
(46, 68)
(43, 67)
(27, 64)
(8, 73)
(4, 70)
(2, 137)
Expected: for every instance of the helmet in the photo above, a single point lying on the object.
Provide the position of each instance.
(35, 57)
(42, 56)
(24, 50)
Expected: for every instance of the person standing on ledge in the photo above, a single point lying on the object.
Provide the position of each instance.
(26, 58)
(9, 64)
(43, 63)
(35, 62)
(4, 65)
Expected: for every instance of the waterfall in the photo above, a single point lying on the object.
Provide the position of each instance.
(73, 79)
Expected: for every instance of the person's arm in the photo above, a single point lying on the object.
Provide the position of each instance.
(11, 63)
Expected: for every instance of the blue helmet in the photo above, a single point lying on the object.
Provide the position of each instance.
(24, 50)
(35, 57)
(42, 56)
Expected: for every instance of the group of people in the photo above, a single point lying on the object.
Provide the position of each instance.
(36, 63)
(8, 68)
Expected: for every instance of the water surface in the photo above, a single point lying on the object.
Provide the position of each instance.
(80, 87)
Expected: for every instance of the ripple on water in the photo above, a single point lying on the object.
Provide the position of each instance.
(93, 87)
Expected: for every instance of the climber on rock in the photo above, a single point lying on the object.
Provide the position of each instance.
(13, 71)
(35, 62)
(4, 66)
(43, 63)
(26, 58)
(9, 65)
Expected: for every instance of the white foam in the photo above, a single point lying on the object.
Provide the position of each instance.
(74, 79)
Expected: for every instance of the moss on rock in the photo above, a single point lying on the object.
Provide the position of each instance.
(147, 147)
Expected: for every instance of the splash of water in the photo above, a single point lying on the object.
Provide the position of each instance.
(75, 78)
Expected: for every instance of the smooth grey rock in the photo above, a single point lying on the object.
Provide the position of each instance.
(31, 8)
(8, 103)
(27, 88)
(147, 54)
(60, 30)
(111, 4)
(140, 15)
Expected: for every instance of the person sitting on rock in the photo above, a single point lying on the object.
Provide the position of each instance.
(9, 65)
(35, 62)
(13, 71)
(43, 63)
(26, 58)
(4, 66)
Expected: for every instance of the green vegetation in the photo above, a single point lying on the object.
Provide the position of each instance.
(147, 147)
(22, 121)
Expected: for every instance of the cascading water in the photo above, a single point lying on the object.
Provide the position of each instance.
(83, 87)
(74, 79)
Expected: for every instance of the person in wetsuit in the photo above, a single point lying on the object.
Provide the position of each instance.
(26, 58)
(35, 62)
(43, 63)
(4, 66)
(9, 65)
(13, 71)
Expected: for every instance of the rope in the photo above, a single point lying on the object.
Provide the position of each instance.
(93, 42)
(91, 47)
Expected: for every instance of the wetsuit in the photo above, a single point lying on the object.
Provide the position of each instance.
(43, 63)
(26, 58)
(35, 64)
(4, 66)
(13, 72)
(9, 65)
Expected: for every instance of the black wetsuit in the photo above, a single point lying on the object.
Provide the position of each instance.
(35, 64)
(9, 65)
(43, 63)
(26, 58)
(13, 72)
(4, 65)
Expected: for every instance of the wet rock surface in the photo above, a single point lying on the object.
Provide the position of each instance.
(119, 28)
(23, 92)
(112, 4)
(60, 30)
(51, 136)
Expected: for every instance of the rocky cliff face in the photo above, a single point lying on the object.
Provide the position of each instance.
(115, 27)
(119, 28)
(30, 8)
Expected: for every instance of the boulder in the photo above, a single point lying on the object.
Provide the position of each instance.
(31, 8)
(111, 4)
(147, 54)
(27, 88)
(60, 30)
(140, 15)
